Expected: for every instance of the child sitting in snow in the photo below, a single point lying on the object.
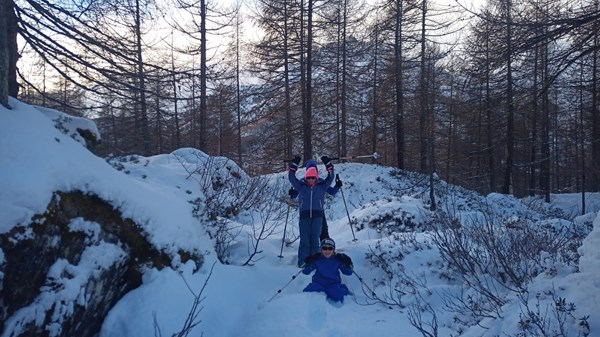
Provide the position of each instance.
(328, 265)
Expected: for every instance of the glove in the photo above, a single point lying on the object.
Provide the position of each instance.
(311, 259)
(344, 259)
(328, 165)
(338, 183)
(294, 164)
(292, 193)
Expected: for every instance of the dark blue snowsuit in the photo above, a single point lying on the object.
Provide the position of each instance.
(327, 277)
(331, 190)
(311, 201)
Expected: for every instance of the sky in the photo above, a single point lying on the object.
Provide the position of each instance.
(265, 299)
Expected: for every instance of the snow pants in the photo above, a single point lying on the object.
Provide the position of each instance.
(310, 243)
(335, 292)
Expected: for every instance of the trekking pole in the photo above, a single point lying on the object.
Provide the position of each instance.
(273, 162)
(375, 155)
(365, 285)
(284, 229)
(337, 178)
(290, 281)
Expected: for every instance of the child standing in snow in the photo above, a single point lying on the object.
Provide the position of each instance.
(311, 197)
(328, 265)
(330, 190)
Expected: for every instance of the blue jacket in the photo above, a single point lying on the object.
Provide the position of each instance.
(331, 190)
(328, 270)
(311, 199)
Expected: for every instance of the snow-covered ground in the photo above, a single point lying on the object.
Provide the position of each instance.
(157, 192)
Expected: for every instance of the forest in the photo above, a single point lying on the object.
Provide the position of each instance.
(496, 96)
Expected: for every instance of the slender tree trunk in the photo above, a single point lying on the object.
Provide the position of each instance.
(203, 98)
(344, 84)
(303, 75)
(375, 93)
(431, 141)
(338, 108)
(399, 84)
(508, 172)
(141, 81)
(114, 141)
(545, 149)
(159, 126)
(220, 126)
(480, 116)
(4, 52)
(307, 120)
(288, 100)
(595, 111)
(533, 127)
(423, 125)
(175, 100)
(9, 53)
(44, 81)
(451, 131)
(581, 141)
(238, 94)
(490, 127)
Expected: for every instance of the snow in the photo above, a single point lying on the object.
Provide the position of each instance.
(590, 254)
(266, 298)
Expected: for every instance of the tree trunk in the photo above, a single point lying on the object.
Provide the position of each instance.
(545, 149)
(399, 84)
(9, 53)
(303, 76)
(344, 84)
(431, 141)
(141, 81)
(490, 127)
(582, 139)
(508, 170)
(449, 151)
(237, 91)
(344, 107)
(423, 125)
(286, 69)
(203, 98)
(375, 93)
(159, 126)
(534, 126)
(307, 118)
(177, 132)
(4, 59)
(595, 160)
(338, 118)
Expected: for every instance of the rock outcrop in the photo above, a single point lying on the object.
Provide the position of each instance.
(61, 274)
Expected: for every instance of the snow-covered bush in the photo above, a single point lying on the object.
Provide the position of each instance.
(387, 255)
(226, 189)
(391, 215)
(540, 319)
(494, 257)
(226, 193)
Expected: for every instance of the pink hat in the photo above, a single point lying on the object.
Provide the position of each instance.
(311, 172)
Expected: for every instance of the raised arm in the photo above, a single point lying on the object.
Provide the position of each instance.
(329, 166)
(292, 172)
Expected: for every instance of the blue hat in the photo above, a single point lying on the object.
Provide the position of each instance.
(310, 163)
(328, 241)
